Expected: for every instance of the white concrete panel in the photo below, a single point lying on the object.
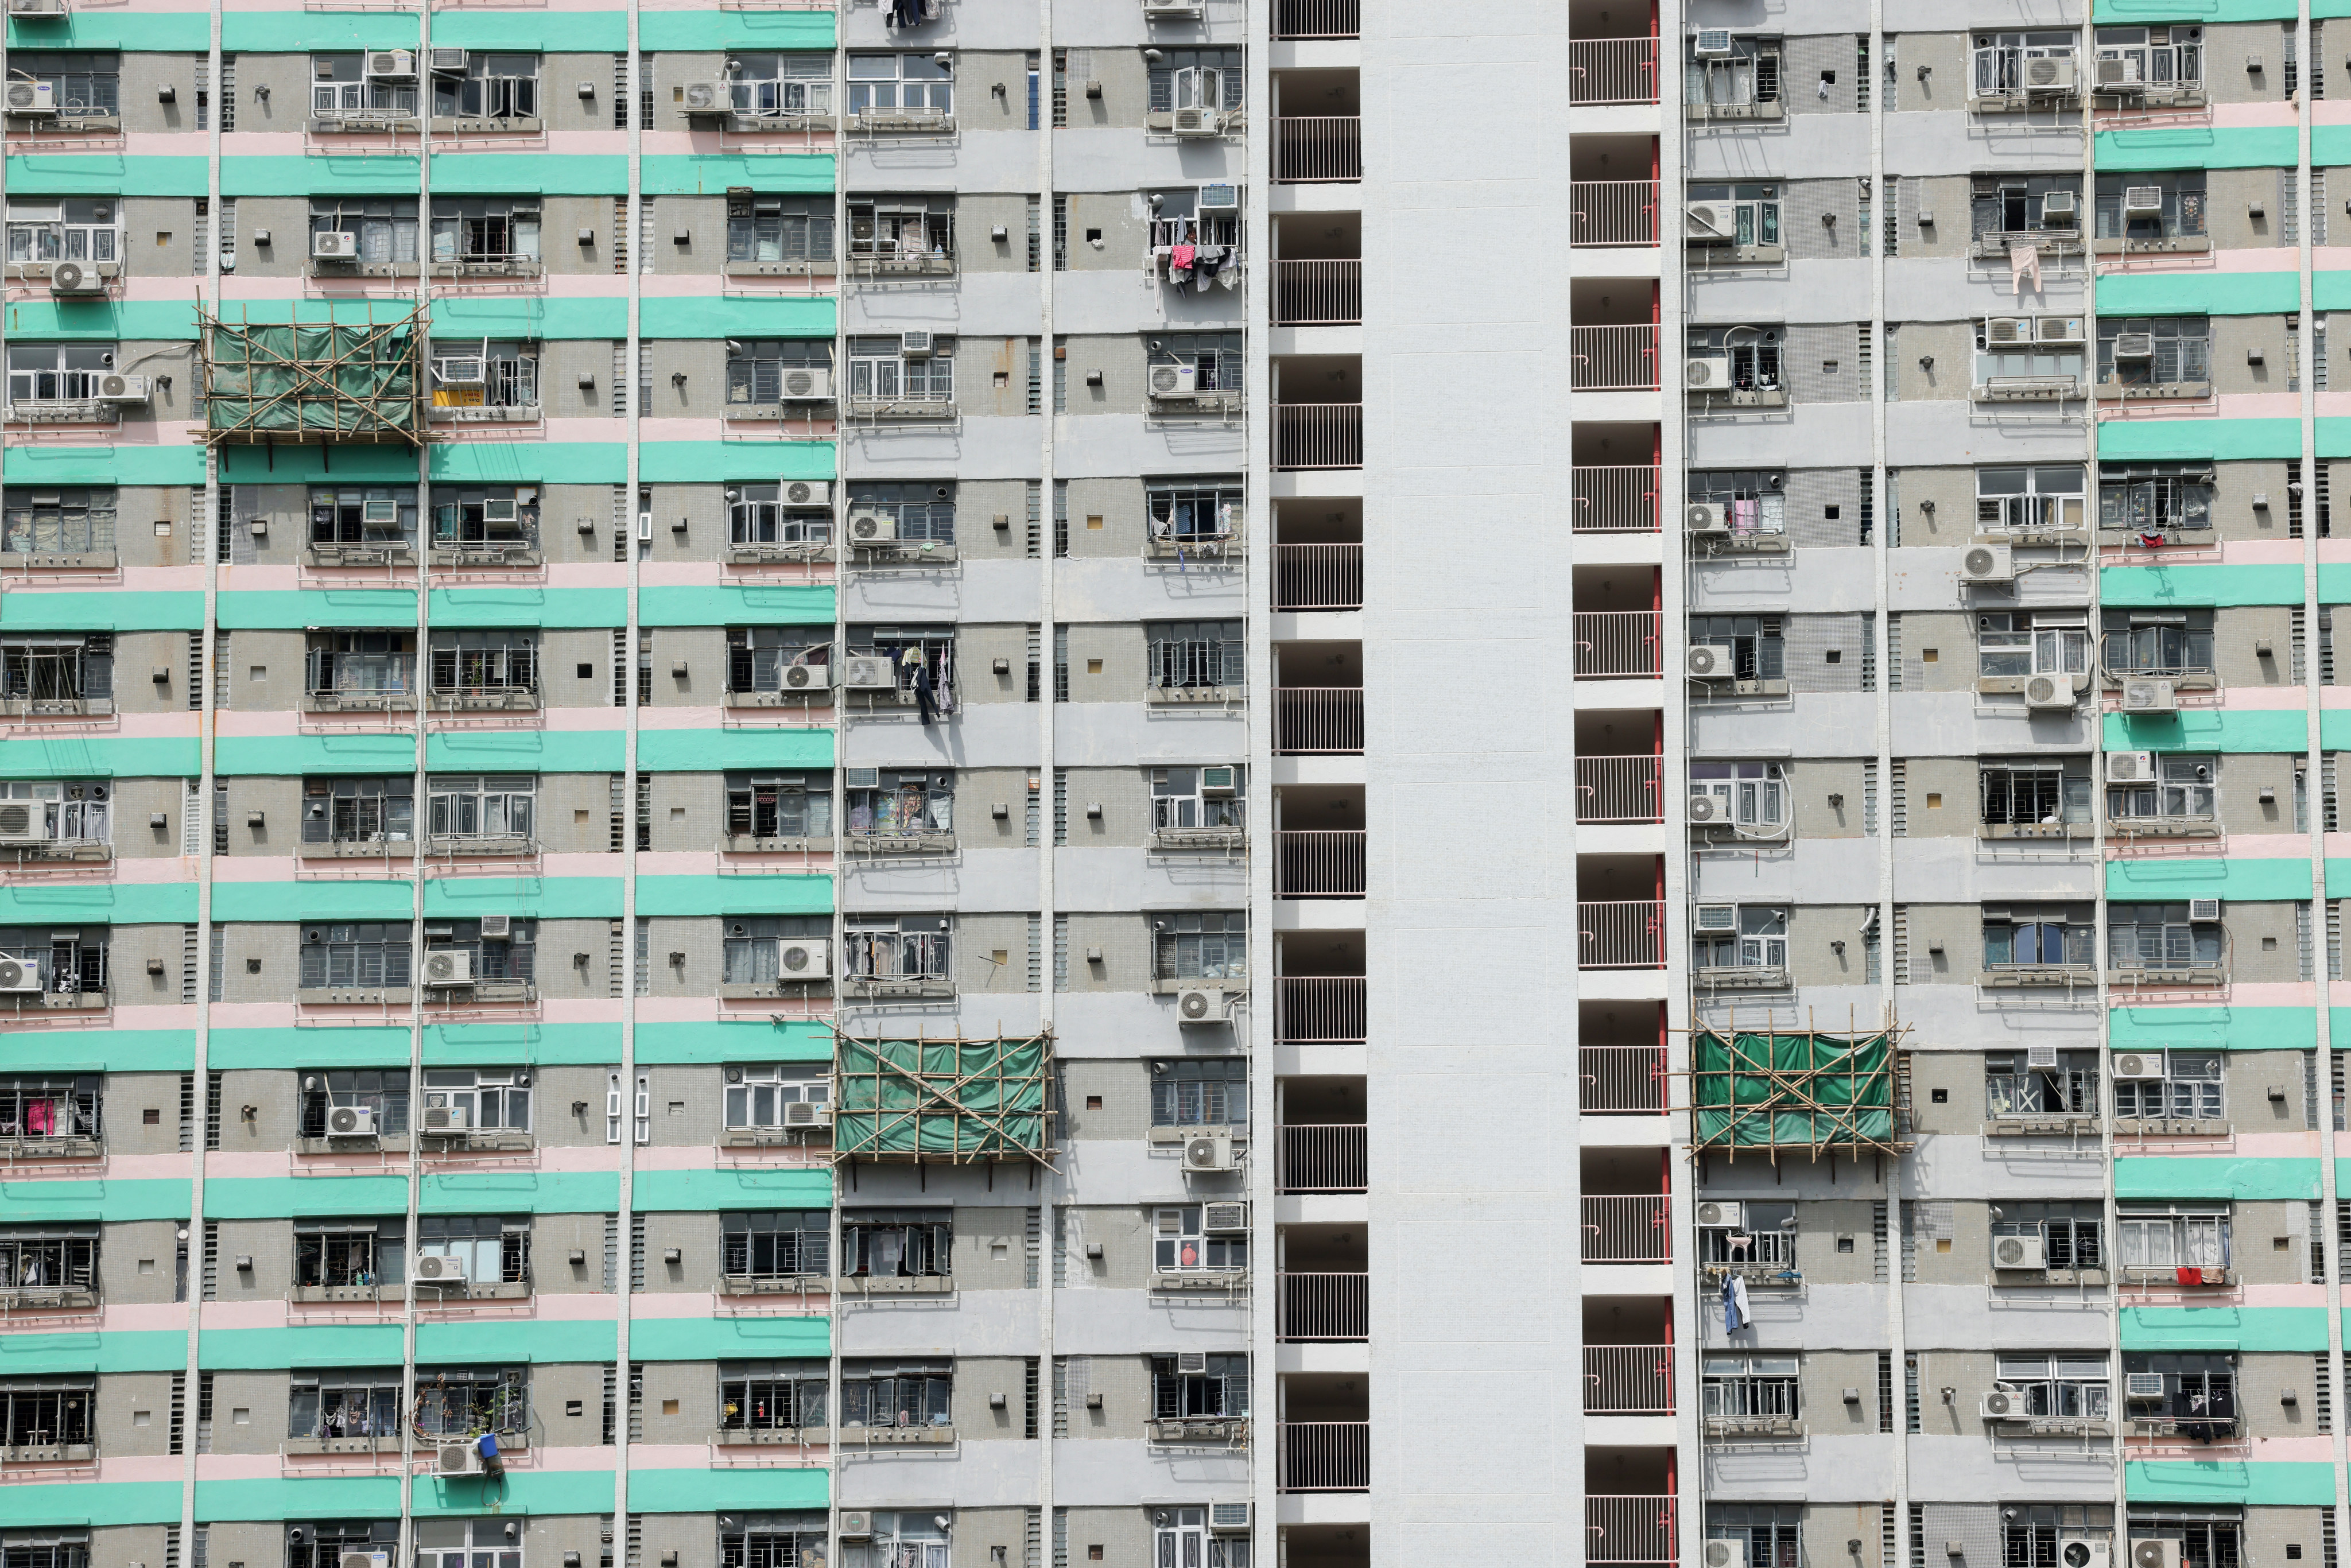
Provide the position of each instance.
(1129, 1322)
(1967, 1469)
(1119, 590)
(991, 1473)
(1117, 735)
(1821, 1469)
(1125, 880)
(1104, 1473)
(970, 1322)
(1830, 435)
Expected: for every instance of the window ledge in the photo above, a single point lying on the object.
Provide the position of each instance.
(1193, 549)
(48, 1453)
(2178, 244)
(108, 270)
(747, 124)
(2150, 97)
(489, 555)
(1224, 840)
(2013, 686)
(2212, 1278)
(469, 1290)
(351, 852)
(63, 1001)
(1779, 1275)
(475, 1141)
(764, 1285)
(746, 843)
(84, 412)
(1753, 1427)
(902, 266)
(2039, 1126)
(18, 1298)
(768, 1137)
(1199, 1429)
(1207, 403)
(771, 1436)
(334, 995)
(331, 702)
(758, 990)
(866, 988)
(67, 708)
(480, 846)
(2170, 535)
(359, 555)
(2017, 976)
(2172, 1126)
(1710, 250)
(385, 1445)
(1741, 977)
(49, 1149)
(513, 267)
(1753, 397)
(452, 125)
(776, 555)
(1700, 113)
(63, 851)
(484, 413)
(1180, 696)
(331, 268)
(918, 124)
(2032, 829)
(2049, 1426)
(2168, 392)
(908, 843)
(361, 1144)
(376, 1292)
(61, 560)
(768, 412)
(1172, 1137)
(816, 694)
(1194, 1282)
(895, 552)
(901, 411)
(480, 990)
(2052, 389)
(2049, 242)
(484, 702)
(899, 1285)
(2185, 976)
(2164, 827)
(1229, 985)
(823, 268)
(1743, 544)
(363, 124)
(2052, 1276)
(896, 1437)
(83, 120)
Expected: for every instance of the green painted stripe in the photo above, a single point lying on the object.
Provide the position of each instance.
(299, 464)
(2196, 147)
(714, 1044)
(546, 1341)
(166, 465)
(714, 605)
(545, 173)
(2251, 1180)
(2330, 290)
(115, 1202)
(2330, 143)
(712, 1491)
(301, 32)
(525, 606)
(119, 1050)
(714, 750)
(768, 173)
(2207, 730)
(2224, 1328)
(385, 174)
(296, 901)
(155, 610)
(527, 1492)
(2220, 440)
(751, 1339)
(544, 32)
(2277, 1483)
(291, 756)
(295, 609)
(106, 174)
(97, 1504)
(47, 320)
(526, 750)
(515, 1192)
(283, 1350)
(687, 462)
(564, 897)
(2200, 294)
(715, 30)
(296, 1198)
(307, 1049)
(2170, 880)
(2211, 1028)
(2134, 11)
(524, 462)
(356, 1496)
(123, 1349)
(528, 316)
(694, 1191)
(2169, 586)
(80, 757)
(149, 32)
(515, 1044)
(777, 893)
(101, 904)
(740, 316)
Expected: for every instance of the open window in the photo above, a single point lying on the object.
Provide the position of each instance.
(2158, 943)
(2152, 64)
(2156, 498)
(2152, 211)
(789, 232)
(484, 379)
(2021, 503)
(60, 381)
(916, 805)
(901, 92)
(58, 967)
(499, 86)
(362, 522)
(361, 812)
(2040, 1083)
(2158, 356)
(912, 234)
(2160, 1241)
(2055, 1238)
(1731, 76)
(2170, 643)
(2021, 69)
(70, 519)
(1739, 943)
(82, 85)
(382, 1093)
(1735, 221)
(1751, 1393)
(486, 1248)
(1744, 507)
(486, 234)
(2199, 1397)
(2048, 944)
(2033, 797)
(343, 1403)
(350, 1254)
(2063, 1385)
(2173, 1085)
(777, 1244)
(881, 1243)
(2016, 644)
(900, 950)
(767, 85)
(348, 232)
(773, 1396)
(1738, 367)
(2028, 358)
(50, 816)
(1749, 797)
(460, 1401)
(345, 96)
(779, 805)
(2157, 789)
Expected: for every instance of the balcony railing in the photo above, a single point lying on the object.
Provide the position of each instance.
(1633, 1229)
(1612, 211)
(1318, 576)
(1615, 500)
(1622, 933)
(1318, 293)
(1318, 148)
(1318, 18)
(1326, 1456)
(1324, 863)
(1617, 643)
(1628, 1380)
(1324, 1157)
(1318, 436)
(1613, 359)
(1318, 721)
(1622, 1078)
(1320, 1010)
(1611, 71)
(1620, 789)
(1629, 1530)
(1325, 1307)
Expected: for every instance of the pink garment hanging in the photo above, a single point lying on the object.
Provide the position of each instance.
(1180, 258)
(2023, 260)
(1744, 516)
(40, 1117)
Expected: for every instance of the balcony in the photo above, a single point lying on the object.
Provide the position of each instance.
(1318, 721)
(1628, 1380)
(1622, 1080)
(1317, 19)
(1629, 1530)
(1620, 498)
(1322, 863)
(1610, 213)
(1615, 644)
(1630, 1228)
(1611, 71)
(1621, 933)
(1324, 1157)
(1318, 149)
(1318, 577)
(1312, 435)
(1613, 358)
(1320, 1010)
(1620, 789)
(1325, 1455)
(1323, 1308)
(1318, 293)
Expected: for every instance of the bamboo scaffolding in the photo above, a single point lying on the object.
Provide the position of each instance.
(1832, 1127)
(367, 385)
(935, 1097)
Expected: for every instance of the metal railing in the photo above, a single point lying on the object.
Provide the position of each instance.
(1612, 211)
(1616, 500)
(1610, 643)
(1318, 436)
(1329, 1157)
(1318, 18)
(1318, 576)
(1320, 1010)
(1628, 1380)
(1611, 71)
(1631, 1229)
(1613, 359)
(1325, 1307)
(1318, 293)
(1318, 720)
(1621, 933)
(1622, 1077)
(1326, 1456)
(1620, 789)
(1629, 1530)
(1318, 148)
(1321, 862)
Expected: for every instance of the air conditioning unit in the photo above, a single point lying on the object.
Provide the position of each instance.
(1224, 1219)
(868, 673)
(334, 244)
(2057, 329)
(2001, 1404)
(379, 514)
(1229, 1517)
(390, 64)
(1197, 122)
(1191, 1364)
(1706, 517)
(1199, 1007)
(439, 1119)
(1175, 381)
(1725, 1554)
(2204, 909)
(1709, 372)
(2041, 1057)
(32, 97)
(1715, 917)
(123, 388)
(2154, 1554)
(1218, 781)
(806, 1114)
(2142, 1385)
(808, 492)
(449, 968)
(22, 822)
(805, 677)
(1208, 1152)
(2137, 1065)
(2118, 72)
(856, 1525)
(459, 1458)
(1711, 223)
(1711, 662)
(439, 1268)
(2130, 767)
(37, 7)
(364, 1560)
(2084, 1552)
(1704, 808)
(2142, 201)
(1713, 43)
(2134, 345)
(808, 384)
(448, 62)
(2019, 1252)
(2008, 329)
(1722, 1216)
(872, 527)
(75, 278)
(2051, 692)
(18, 976)
(1987, 563)
(350, 1122)
(803, 958)
(497, 927)
(2150, 697)
(2056, 204)
(2051, 74)
(916, 344)
(705, 98)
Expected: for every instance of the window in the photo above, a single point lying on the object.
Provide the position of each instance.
(2170, 56)
(1748, 76)
(52, 1105)
(1745, 794)
(2174, 1236)
(752, 954)
(901, 229)
(48, 1257)
(482, 805)
(2155, 350)
(1743, 1387)
(1199, 1091)
(1772, 1532)
(779, 805)
(1766, 1237)
(1180, 1537)
(2030, 500)
(1210, 944)
(335, 1253)
(771, 1396)
(48, 1412)
(898, 948)
(2160, 936)
(2000, 59)
(2004, 208)
(2207, 1537)
(1196, 799)
(1740, 937)
(895, 1242)
(2183, 787)
(483, 662)
(2010, 642)
(491, 1249)
(1177, 219)
(1221, 1390)
(384, 1091)
(1753, 212)
(340, 90)
(2068, 1384)
(880, 373)
(898, 1394)
(2158, 643)
(491, 87)
(887, 800)
(483, 517)
(2039, 935)
(361, 663)
(322, 1545)
(2153, 498)
(365, 956)
(1215, 359)
(71, 962)
(72, 229)
(1179, 1245)
(1196, 79)
(485, 229)
(55, 373)
(461, 1099)
(767, 85)
(346, 1402)
(1196, 655)
(1757, 650)
(70, 519)
(2189, 1090)
(778, 228)
(758, 515)
(913, 85)
(909, 1539)
(1752, 354)
(2020, 790)
(2023, 355)
(54, 669)
(756, 1096)
(468, 1543)
(773, 1540)
(2032, 1535)
(923, 511)
(358, 811)
(757, 656)
(486, 375)
(2014, 1087)
(930, 649)
(71, 810)
(386, 225)
(1750, 497)
(2068, 1231)
(755, 377)
(1183, 511)
(774, 1244)
(515, 958)
(363, 514)
(458, 1401)
(83, 84)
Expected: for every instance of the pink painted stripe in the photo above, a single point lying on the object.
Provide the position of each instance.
(2226, 115)
(150, 1167)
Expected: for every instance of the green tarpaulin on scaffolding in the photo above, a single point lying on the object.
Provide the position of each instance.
(1791, 1091)
(309, 380)
(941, 1099)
